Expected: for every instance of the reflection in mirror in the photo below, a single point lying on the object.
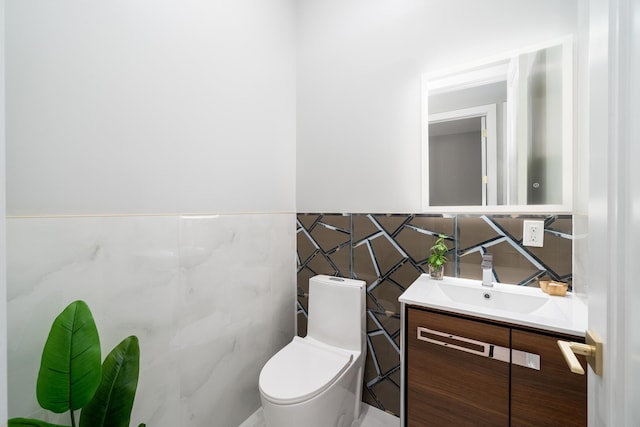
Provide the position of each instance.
(499, 133)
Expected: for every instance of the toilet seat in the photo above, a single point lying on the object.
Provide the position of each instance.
(301, 370)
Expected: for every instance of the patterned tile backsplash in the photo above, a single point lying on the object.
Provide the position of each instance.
(389, 252)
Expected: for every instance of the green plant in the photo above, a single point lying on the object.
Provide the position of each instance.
(438, 252)
(71, 376)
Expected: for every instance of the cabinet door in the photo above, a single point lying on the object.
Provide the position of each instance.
(448, 385)
(552, 396)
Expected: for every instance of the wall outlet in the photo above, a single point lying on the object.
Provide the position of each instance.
(533, 233)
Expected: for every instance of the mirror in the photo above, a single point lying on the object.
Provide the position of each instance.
(497, 134)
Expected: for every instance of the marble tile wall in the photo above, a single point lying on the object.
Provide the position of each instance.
(211, 299)
(389, 252)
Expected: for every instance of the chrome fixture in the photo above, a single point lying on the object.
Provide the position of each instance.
(487, 270)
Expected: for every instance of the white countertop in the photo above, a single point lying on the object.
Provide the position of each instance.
(519, 305)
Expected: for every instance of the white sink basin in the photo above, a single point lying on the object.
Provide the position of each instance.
(521, 305)
(492, 297)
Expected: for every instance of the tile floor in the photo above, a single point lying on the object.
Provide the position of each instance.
(369, 417)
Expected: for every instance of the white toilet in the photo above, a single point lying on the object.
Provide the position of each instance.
(316, 381)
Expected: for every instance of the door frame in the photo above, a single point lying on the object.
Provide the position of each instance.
(613, 243)
(489, 147)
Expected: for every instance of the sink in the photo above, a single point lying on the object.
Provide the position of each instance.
(493, 298)
(523, 305)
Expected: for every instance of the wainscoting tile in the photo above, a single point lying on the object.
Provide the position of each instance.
(126, 269)
(211, 299)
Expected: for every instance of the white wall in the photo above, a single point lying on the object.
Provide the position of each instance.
(632, 225)
(359, 67)
(581, 156)
(150, 106)
(3, 269)
(124, 119)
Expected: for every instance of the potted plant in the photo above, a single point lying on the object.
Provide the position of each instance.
(72, 376)
(438, 258)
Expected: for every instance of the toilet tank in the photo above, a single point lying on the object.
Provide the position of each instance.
(337, 311)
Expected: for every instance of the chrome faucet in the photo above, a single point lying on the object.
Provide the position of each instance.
(487, 270)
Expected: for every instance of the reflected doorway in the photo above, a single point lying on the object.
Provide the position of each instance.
(467, 139)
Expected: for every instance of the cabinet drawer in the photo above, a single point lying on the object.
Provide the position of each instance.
(449, 380)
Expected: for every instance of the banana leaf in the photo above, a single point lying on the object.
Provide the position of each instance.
(70, 368)
(26, 422)
(113, 401)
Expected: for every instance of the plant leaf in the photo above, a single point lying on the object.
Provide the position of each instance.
(26, 422)
(112, 404)
(70, 366)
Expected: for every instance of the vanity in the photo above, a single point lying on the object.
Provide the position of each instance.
(475, 355)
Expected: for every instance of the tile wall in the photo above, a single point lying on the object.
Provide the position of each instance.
(211, 299)
(389, 252)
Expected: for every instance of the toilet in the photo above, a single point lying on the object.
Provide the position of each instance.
(316, 381)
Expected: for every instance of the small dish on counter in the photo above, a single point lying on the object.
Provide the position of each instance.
(553, 288)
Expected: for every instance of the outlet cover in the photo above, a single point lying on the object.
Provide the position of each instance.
(533, 233)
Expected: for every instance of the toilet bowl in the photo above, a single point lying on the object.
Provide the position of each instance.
(316, 381)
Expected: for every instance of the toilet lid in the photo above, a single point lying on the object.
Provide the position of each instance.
(300, 371)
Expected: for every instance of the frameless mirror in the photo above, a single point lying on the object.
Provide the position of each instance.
(497, 134)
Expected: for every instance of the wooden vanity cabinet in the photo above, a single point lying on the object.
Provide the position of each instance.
(450, 387)
(453, 378)
(552, 396)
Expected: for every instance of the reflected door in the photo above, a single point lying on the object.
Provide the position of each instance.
(461, 143)
(463, 157)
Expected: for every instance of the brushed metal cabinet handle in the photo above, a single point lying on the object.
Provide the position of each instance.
(484, 349)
